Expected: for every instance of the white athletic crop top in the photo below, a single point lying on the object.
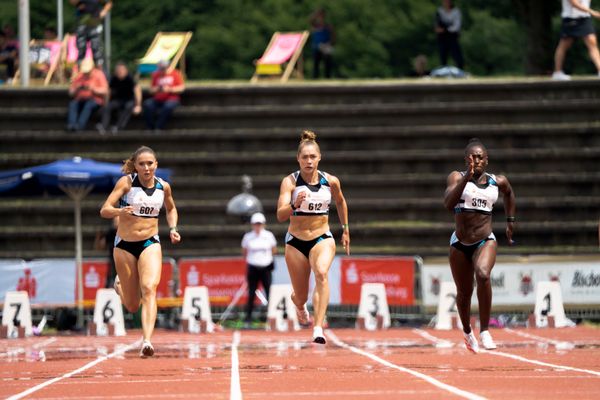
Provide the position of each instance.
(478, 198)
(146, 202)
(317, 197)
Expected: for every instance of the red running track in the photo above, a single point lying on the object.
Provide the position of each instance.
(398, 363)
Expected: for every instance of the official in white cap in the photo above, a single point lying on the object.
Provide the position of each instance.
(258, 247)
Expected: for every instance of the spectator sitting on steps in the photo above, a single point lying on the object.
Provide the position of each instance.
(125, 99)
(88, 89)
(166, 88)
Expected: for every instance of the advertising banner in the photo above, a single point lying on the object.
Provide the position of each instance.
(397, 273)
(48, 282)
(514, 283)
(222, 276)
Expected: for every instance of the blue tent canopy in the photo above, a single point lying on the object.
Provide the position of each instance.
(75, 171)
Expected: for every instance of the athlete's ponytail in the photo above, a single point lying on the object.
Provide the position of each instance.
(129, 164)
(306, 138)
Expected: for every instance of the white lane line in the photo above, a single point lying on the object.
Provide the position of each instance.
(75, 372)
(427, 378)
(560, 345)
(531, 361)
(439, 343)
(236, 389)
(20, 350)
(545, 364)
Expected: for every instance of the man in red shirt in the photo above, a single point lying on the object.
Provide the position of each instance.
(167, 86)
(89, 90)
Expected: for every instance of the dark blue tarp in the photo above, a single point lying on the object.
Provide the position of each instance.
(45, 179)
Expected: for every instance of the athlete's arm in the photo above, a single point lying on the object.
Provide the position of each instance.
(342, 210)
(284, 206)
(172, 215)
(510, 205)
(108, 209)
(456, 183)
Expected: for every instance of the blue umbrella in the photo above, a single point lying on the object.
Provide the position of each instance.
(76, 177)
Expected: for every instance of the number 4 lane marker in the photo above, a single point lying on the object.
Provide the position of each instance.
(427, 378)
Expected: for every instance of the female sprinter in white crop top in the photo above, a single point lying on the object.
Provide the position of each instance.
(304, 198)
(137, 199)
(471, 195)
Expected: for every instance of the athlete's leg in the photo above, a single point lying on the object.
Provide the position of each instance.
(149, 267)
(462, 272)
(299, 270)
(129, 281)
(483, 262)
(561, 50)
(592, 45)
(320, 258)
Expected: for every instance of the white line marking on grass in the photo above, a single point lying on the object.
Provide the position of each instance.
(236, 390)
(427, 378)
(560, 345)
(74, 372)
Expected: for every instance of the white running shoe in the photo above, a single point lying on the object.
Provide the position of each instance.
(318, 336)
(303, 317)
(486, 340)
(471, 342)
(560, 76)
(147, 349)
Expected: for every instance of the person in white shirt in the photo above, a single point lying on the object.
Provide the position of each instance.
(576, 23)
(258, 247)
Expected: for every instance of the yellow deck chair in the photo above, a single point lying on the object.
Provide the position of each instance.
(165, 46)
(285, 48)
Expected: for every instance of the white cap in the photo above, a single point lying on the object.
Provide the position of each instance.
(258, 218)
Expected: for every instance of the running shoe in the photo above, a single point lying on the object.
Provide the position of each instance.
(117, 284)
(303, 317)
(486, 340)
(318, 336)
(471, 342)
(147, 349)
(560, 76)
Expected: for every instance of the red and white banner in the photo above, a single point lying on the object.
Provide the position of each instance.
(397, 273)
(95, 273)
(166, 284)
(222, 276)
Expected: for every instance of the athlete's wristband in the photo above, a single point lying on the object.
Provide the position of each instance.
(510, 219)
(345, 227)
(173, 229)
(294, 208)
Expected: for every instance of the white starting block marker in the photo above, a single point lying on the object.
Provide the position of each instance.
(196, 316)
(16, 315)
(549, 310)
(373, 310)
(447, 314)
(108, 314)
(281, 312)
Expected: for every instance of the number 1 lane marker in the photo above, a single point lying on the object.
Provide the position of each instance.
(75, 372)
(427, 378)
(236, 390)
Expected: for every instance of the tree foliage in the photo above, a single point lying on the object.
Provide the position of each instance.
(375, 38)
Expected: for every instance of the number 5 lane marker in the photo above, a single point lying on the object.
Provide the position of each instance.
(427, 378)
(75, 372)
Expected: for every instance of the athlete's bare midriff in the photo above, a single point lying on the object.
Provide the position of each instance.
(308, 227)
(133, 229)
(472, 227)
